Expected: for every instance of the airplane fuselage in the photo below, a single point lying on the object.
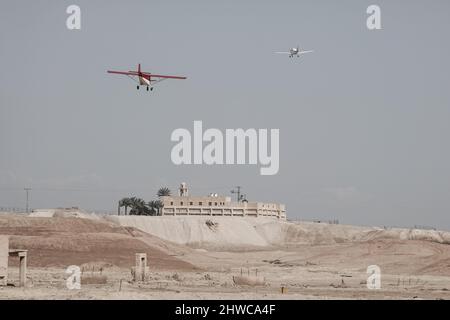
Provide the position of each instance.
(293, 52)
(144, 81)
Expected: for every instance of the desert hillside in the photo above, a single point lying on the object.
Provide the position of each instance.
(62, 241)
(198, 257)
(235, 232)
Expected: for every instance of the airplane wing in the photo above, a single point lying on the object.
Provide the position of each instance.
(124, 73)
(283, 52)
(302, 52)
(146, 74)
(162, 76)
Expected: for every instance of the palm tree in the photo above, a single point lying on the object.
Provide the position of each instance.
(159, 206)
(155, 206)
(125, 202)
(163, 192)
(138, 207)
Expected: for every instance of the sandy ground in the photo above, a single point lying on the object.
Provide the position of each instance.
(410, 269)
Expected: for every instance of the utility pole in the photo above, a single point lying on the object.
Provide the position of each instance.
(27, 191)
(238, 192)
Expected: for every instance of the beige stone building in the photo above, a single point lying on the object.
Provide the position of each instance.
(215, 205)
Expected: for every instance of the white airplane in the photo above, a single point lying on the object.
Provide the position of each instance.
(295, 52)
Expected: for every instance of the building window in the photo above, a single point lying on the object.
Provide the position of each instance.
(215, 204)
(200, 203)
(181, 203)
(171, 203)
(191, 203)
(210, 204)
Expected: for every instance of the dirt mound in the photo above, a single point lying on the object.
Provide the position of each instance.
(64, 213)
(60, 242)
(237, 232)
(288, 233)
(205, 232)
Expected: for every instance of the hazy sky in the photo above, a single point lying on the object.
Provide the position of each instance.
(364, 120)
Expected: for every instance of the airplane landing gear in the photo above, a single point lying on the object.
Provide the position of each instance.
(147, 88)
(137, 87)
(151, 89)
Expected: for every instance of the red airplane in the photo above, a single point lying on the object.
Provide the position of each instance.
(145, 78)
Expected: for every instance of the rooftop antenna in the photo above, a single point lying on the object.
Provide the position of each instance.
(238, 193)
